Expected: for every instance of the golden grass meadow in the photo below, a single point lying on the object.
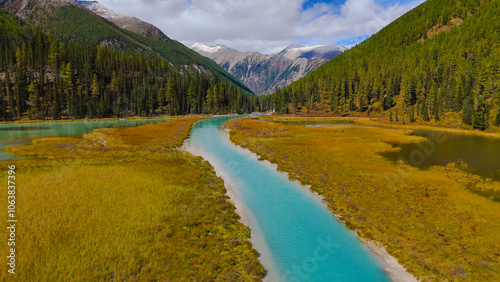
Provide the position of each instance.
(428, 219)
(125, 204)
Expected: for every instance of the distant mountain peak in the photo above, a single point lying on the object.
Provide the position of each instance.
(262, 73)
(293, 46)
(126, 22)
(200, 47)
(98, 8)
(293, 52)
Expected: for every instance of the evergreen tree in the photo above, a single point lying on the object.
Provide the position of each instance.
(481, 116)
(20, 90)
(411, 114)
(468, 110)
(9, 94)
(3, 106)
(425, 110)
(33, 98)
(191, 97)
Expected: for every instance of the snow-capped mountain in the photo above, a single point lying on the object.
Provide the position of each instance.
(126, 22)
(263, 73)
(326, 52)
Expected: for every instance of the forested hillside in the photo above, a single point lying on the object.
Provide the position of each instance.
(41, 77)
(68, 21)
(441, 58)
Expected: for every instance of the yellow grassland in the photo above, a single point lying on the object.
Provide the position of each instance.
(376, 121)
(125, 204)
(428, 219)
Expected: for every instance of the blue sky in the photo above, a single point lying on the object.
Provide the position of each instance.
(310, 3)
(263, 25)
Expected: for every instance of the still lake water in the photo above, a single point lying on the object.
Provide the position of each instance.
(297, 236)
(23, 133)
(480, 153)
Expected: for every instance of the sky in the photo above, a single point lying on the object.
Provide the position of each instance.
(266, 26)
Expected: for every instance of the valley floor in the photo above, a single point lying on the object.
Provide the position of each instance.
(125, 204)
(428, 219)
(382, 121)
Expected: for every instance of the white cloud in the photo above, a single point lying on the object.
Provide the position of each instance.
(262, 25)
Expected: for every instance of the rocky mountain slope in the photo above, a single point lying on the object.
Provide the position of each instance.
(70, 21)
(263, 73)
(126, 22)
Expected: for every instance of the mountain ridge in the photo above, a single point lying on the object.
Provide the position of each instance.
(124, 21)
(263, 73)
(69, 21)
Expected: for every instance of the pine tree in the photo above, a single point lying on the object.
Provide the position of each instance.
(94, 94)
(56, 105)
(208, 105)
(9, 94)
(3, 107)
(161, 97)
(425, 110)
(33, 98)
(191, 97)
(481, 116)
(20, 90)
(468, 110)
(411, 114)
(169, 97)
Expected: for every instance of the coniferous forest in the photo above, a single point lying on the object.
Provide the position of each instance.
(43, 78)
(441, 57)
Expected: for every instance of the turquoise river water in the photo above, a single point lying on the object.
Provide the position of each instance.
(297, 237)
(23, 133)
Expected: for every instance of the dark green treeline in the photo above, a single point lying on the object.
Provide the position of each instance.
(42, 78)
(443, 56)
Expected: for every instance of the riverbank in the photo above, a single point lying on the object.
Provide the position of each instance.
(158, 213)
(427, 219)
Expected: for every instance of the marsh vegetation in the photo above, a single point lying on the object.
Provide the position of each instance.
(428, 219)
(126, 204)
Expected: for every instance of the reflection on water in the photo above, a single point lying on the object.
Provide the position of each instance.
(16, 134)
(480, 153)
(17, 128)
